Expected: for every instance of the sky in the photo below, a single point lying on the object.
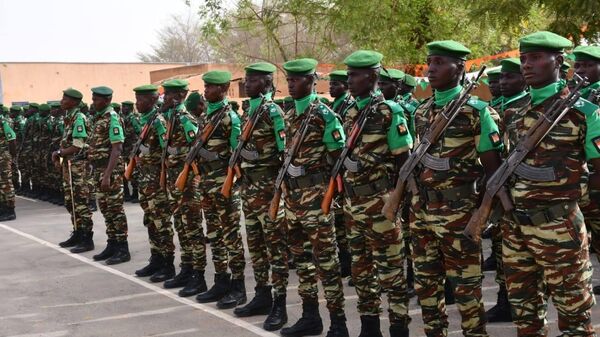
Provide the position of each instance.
(83, 30)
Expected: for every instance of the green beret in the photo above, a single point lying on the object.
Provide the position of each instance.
(565, 67)
(391, 75)
(15, 108)
(410, 80)
(338, 75)
(587, 53)
(543, 41)
(73, 93)
(364, 59)
(25, 107)
(175, 84)
(130, 103)
(102, 91)
(494, 74)
(44, 107)
(146, 89)
(260, 68)
(511, 65)
(55, 105)
(192, 100)
(304, 66)
(34, 105)
(4, 109)
(448, 48)
(217, 77)
(115, 105)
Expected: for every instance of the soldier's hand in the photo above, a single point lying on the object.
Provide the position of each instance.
(105, 184)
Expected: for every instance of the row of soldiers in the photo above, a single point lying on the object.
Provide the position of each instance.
(287, 163)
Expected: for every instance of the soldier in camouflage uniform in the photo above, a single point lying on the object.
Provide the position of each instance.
(44, 143)
(338, 89)
(376, 244)
(153, 199)
(26, 155)
(191, 235)
(104, 154)
(587, 63)
(18, 125)
(311, 234)
(71, 159)
(38, 176)
(514, 97)
(467, 150)
(260, 160)
(545, 244)
(8, 150)
(222, 214)
(494, 86)
(57, 129)
(132, 129)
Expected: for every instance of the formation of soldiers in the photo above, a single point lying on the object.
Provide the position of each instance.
(314, 180)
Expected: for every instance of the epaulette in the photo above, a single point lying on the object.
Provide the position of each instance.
(394, 107)
(328, 116)
(476, 103)
(585, 106)
(273, 109)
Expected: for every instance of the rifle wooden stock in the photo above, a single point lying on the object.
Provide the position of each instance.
(226, 188)
(328, 198)
(479, 218)
(183, 177)
(195, 169)
(129, 169)
(274, 207)
(390, 208)
(163, 177)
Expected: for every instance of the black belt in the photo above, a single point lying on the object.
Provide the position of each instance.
(259, 174)
(308, 180)
(538, 217)
(211, 166)
(377, 186)
(451, 194)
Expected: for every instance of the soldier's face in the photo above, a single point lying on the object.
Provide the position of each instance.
(67, 103)
(299, 86)
(540, 68)
(511, 84)
(362, 81)
(495, 87)
(337, 88)
(174, 97)
(589, 69)
(100, 102)
(444, 72)
(126, 109)
(145, 102)
(405, 89)
(255, 85)
(388, 89)
(215, 92)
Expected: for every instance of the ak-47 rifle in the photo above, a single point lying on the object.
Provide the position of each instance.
(351, 141)
(527, 143)
(136, 147)
(233, 168)
(435, 131)
(199, 142)
(163, 157)
(287, 161)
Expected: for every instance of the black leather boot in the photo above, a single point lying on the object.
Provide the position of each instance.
(9, 214)
(399, 330)
(501, 311)
(85, 244)
(73, 240)
(121, 254)
(236, 295)
(154, 264)
(196, 285)
(370, 326)
(166, 270)
(260, 305)
(338, 327)
(310, 324)
(181, 279)
(218, 290)
(278, 315)
(111, 248)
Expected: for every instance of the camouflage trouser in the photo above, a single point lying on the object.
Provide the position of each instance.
(77, 205)
(15, 172)
(26, 167)
(267, 239)
(497, 251)
(7, 189)
(378, 255)
(190, 234)
(311, 237)
(339, 221)
(92, 182)
(591, 212)
(155, 204)
(111, 203)
(549, 259)
(440, 250)
(223, 224)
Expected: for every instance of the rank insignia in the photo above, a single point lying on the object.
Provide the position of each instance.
(495, 138)
(336, 135)
(402, 130)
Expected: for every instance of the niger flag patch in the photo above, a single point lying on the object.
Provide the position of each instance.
(336, 135)
(191, 134)
(116, 130)
(402, 130)
(596, 142)
(281, 134)
(495, 138)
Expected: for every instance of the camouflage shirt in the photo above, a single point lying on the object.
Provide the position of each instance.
(131, 128)
(225, 136)
(107, 130)
(384, 135)
(151, 147)
(341, 104)
(473, 131)
(563, 150)
(7, 134)
(57, 130)
(184, 132)
(76, 128)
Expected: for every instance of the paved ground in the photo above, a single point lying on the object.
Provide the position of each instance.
(46, 291)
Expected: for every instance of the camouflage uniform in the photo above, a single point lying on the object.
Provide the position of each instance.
(222, 215)
(7, 191)
(76, 198)
(58, 128)
(441, 210)
(267, 239)
(311, 235)
(26, 154)
(376, 243)
(545, 247)
(191, 236)
(45, 142)
(37, 176)
(153, 199)
(108, 130)
(132, 129)
(19, 128)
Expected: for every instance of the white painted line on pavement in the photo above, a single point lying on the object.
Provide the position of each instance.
(105, 300)
(132, 314)
(17, 316)
(209, 310)
(173, 333)
(25, 198)
(44, 334)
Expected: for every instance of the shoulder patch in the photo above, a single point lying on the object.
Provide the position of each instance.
(402, 129)
(336, 135)
(273, 110)
(394, 107)
(328, 116)
(477, 104)
(495, 138)
(281, 134)
(585, 106)
(596, 142)
(116, 131)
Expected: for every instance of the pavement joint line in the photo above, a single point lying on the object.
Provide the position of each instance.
(209, 310)
(44, 334)
(25, 198)
(104, 300)
(131, 314)
(173, 333)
